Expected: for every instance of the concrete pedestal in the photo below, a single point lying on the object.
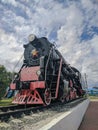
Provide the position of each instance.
(69, 120)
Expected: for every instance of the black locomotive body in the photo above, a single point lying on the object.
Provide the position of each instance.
(45, 75)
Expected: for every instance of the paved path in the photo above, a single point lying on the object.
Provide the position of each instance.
(90, 120)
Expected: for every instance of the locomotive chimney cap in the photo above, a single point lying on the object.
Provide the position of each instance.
(31, 37)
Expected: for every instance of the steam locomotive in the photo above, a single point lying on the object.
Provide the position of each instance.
(45, 76)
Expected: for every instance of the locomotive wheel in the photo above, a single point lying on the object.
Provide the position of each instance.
(47, 97)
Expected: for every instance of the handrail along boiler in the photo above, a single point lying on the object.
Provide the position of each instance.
(45, 75)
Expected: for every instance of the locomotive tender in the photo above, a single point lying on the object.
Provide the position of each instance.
(45, 75)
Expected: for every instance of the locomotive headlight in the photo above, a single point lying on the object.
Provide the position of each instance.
(31, 37)
(38, 72)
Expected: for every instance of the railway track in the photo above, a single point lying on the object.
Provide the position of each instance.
(17, 111)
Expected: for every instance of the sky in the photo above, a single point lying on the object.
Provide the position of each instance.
(71, 24)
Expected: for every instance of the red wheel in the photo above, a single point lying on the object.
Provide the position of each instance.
(47, 97)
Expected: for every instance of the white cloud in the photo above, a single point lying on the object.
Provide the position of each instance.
(82, 54)
(66, 20)
(11, 2)
(10, 51)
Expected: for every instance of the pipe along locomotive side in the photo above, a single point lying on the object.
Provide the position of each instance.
(45, 75)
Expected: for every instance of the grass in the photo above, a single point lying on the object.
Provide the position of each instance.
(6, 102)
(93, 97)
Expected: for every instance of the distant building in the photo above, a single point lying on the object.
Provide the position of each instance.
(93, 91)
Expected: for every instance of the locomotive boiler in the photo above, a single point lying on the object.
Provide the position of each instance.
(45, 75)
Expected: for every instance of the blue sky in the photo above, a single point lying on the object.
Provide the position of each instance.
(72, 24)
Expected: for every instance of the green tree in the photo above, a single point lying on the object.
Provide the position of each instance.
(5, 79)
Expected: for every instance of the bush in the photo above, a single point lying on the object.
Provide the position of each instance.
(5, 79)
